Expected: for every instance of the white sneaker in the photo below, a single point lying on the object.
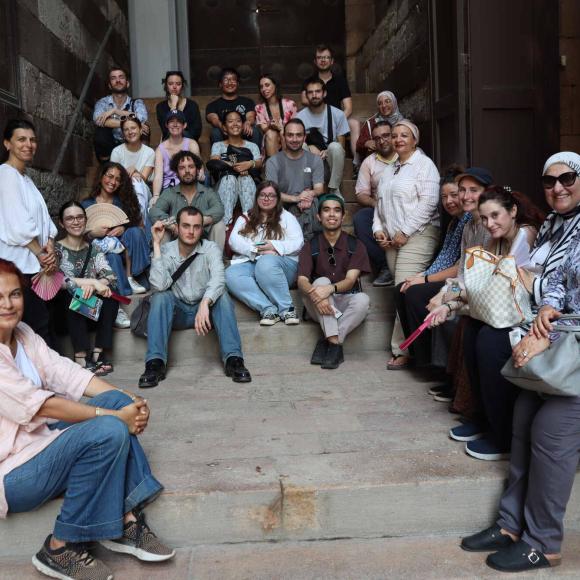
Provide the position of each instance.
(290, 318)
(122, 320)
(136, 287)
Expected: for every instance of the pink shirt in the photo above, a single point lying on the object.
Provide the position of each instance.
(22, 434)
(288, 107)
(370, 172)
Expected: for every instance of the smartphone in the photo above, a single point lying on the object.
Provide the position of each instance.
(259, 243)
(337, 313)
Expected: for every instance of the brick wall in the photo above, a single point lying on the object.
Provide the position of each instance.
(570, 75)
(53, 45)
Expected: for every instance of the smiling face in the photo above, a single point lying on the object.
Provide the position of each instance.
(131, 131)
(267, 88)
(176, 127)
(331, 215)
(500, 222)
(111, 181)
(267, 199)
(233, 124)
(21, 146)
(174, 84)
(382, 136)
(74, 221)
(450, 199)
(560, 198)
(11, 303)
(385, 106)
(294, 136)
(469, 192)
(229, 84)
(403, 141)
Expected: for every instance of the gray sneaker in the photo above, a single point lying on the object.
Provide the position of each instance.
(290, 317)
(385, 278)
(139, 541)
(71, 562)
(269, 319)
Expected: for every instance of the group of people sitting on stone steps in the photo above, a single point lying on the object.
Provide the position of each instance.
(415, 225)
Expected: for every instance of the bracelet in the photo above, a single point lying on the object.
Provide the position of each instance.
(98, 412)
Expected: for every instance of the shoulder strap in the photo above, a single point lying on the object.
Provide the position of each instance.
(315, 250)
(184, 266)
(351, 244)
(330, 132)
(87, 258)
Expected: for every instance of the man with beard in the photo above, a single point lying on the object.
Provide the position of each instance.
(326, 127)
(329, 269)
(188, 277)
(300, 177)
(190, 193)
(110, 111)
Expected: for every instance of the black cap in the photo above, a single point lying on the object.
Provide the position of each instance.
(481, 175)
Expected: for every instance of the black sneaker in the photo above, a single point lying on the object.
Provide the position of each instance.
(71, 562)
(334, 356)
(139, 541)
(236, 369)
(445, 395)
(155, 371)
(319, 352)
(384, 278)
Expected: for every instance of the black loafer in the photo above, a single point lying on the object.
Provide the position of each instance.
(488, 540)
(155, 371)
(334, 356)
(319, 352)
(519, 557)
(235, 368)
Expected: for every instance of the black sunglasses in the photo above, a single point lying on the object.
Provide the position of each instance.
(566, 179)
(331, 258)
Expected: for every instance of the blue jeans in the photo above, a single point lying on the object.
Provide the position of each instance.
(99, 466)
(168, 312)
(135, 241)
(363, 229)
(263, 285)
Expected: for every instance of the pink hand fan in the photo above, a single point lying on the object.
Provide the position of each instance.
(46, 286)
(409, 341)
(121, 299)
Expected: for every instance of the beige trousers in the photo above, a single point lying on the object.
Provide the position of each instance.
(354, 308)
(414, 257)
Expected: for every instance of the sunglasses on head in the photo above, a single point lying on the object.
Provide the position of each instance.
(566, 179)
(128, 116)
(331, 258)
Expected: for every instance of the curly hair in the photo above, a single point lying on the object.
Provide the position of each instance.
(528, 214)
(126, 193)
(272, 227)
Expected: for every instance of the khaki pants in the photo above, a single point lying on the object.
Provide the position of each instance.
(335, 155)
(414, 257)
(354, 308)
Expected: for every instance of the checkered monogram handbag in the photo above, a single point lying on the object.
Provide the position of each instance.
(495, 293)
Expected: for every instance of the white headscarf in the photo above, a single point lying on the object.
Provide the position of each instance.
(569, 158)
(411, 126)
(396, 115)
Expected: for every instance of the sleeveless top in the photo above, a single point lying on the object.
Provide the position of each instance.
(169, 177)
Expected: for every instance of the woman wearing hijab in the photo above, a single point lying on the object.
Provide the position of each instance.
(388, 110)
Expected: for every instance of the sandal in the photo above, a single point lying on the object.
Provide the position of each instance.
(103, 366)
(393, 366)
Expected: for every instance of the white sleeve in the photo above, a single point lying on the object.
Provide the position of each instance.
(240, 244)
(293, 239)
(117, 155)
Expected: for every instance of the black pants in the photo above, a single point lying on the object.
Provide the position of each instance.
(486, 350)
(412, 309)
(104, 143)
(363, 229)
(36, 313)
(79, 326)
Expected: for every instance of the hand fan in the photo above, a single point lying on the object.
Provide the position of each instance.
(46, 286)
(105, 214)
(121, 299)
(406, 343)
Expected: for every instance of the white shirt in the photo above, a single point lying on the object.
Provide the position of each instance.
(23, 218)
(407, 196)
(145, 157)
(289, 246)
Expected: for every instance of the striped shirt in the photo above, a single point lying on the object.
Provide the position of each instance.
(407, 196)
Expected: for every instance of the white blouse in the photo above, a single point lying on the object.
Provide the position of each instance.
(407, 196)
(23, 217)
(290, 245)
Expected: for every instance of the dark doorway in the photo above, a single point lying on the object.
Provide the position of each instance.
(255, 36)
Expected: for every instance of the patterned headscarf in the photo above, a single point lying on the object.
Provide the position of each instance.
(396, 115)
(569, 158)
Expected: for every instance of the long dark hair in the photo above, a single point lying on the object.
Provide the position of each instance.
(272, 227)
(528, 214)
(70, 203)
(126, 193)
(277, 91)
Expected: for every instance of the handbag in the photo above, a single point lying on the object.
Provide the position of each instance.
(556, 371)
(495, 293)
(140, 315)
(88, 307)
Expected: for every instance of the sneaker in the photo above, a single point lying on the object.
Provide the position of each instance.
(437, 389)
(136, 288)
(139, 541)
(155, 371)
(70, 562)
(122, 320)
(269, 319)
(467, 432)
(385, 278)
(486, 450)
(290, 318)
(444, 396)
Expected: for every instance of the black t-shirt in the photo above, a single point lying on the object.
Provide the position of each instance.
(222, 106)
(192, 116)
(336, 90)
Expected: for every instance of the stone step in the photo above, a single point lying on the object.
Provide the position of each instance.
(299, 454)
(425, 558)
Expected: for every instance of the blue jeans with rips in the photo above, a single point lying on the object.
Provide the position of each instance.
(101, 468)
(168, 312)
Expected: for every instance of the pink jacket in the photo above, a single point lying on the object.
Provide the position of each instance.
(22, 435)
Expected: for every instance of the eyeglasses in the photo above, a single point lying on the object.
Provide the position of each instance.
(267, 196)
(128, 116)
(323, 58)
(74, 218)
(566, 179)
(331, 258)
(382, 137)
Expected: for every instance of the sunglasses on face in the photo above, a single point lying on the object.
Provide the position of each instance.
(331, 258)
(128, 116)
(566, 179)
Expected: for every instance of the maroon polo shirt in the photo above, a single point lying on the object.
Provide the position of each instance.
(344, 262)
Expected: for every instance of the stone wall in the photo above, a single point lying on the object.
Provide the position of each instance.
(570, 75)
(55, 42)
